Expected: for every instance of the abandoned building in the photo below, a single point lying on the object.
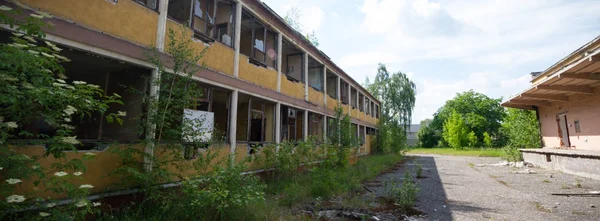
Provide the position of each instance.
(264, 82)
(567, 102)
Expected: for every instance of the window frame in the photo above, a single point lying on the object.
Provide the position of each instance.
(145, 5)
(207, 37)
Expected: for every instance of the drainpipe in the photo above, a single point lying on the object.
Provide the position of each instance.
(154, 76)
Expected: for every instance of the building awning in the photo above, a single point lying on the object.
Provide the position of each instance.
(580, 76)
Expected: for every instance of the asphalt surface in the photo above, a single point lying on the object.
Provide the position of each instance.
(470, 188)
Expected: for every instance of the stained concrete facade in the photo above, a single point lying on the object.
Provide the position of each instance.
(245, 72)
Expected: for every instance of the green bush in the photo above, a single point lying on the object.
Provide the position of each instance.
(487, 140)
(455, 131)
(405, 194)
(472, 139)
(512, 154)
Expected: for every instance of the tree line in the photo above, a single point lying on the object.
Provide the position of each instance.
(472, 119)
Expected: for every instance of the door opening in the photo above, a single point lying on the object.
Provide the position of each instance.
(563, 130)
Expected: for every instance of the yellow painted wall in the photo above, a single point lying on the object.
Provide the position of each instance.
(100, 167)
(331, 103)
(315, 97)
(218, 57)
(97, 172)
(126, 19)
(293, 89)
(264, 77)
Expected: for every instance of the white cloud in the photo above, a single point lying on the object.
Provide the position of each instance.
(432, 93)
(312, 18)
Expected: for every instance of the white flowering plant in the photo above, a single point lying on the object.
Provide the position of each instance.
(34, 90)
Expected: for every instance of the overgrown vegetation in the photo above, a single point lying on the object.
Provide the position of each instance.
(478, 114)
(396, 92)
(522, 130)
(404, 193)
(34, 94)
(173, 148)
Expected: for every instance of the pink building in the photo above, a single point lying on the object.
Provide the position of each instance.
(566, 97)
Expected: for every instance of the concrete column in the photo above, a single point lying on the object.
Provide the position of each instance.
(162, 25)
(238, 30)
(324, 128)
(233, 120)
(338, 89)
(305, 76)
(365, 136)
(324, 86)
(279, 57)
(349, 99)
(277, 122)
(154, 76)
(305, 125)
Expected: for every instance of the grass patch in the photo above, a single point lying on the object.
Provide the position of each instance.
(325, 183)
(482, 152)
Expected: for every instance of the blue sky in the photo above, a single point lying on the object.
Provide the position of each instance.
(449, 46)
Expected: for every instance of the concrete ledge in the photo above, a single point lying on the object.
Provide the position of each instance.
(582, 163)
(563, 152)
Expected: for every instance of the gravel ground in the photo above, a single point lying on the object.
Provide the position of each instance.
(469, 188)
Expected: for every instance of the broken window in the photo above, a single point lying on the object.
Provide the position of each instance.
(353, 97)
(151, 4)
(255, 120)
(377, 111)
(372, 108)
(200, 15)
(257, 41)
(315, 126)
(203, 17)
(112, 76)
(315, 74)
(344, 92)
(361, 102)
(291, 124)
(332, 125)
(224, 22)
(361, 134)
(179, 10)
(332, 85)
(368, 107)
(292, 62)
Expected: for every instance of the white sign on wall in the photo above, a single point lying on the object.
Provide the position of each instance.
(202, 123)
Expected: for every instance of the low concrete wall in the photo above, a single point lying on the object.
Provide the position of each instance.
(585, 166)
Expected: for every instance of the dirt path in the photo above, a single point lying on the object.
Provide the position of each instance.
(468, 188)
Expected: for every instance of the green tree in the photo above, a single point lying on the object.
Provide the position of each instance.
(426, 136)
(292, 18)
(521, 128)
(455, 131)
(487, 139)
(396, 92)
(481, 113)
(472, 139)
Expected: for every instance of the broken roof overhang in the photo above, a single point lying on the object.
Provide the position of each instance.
(579, 77)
